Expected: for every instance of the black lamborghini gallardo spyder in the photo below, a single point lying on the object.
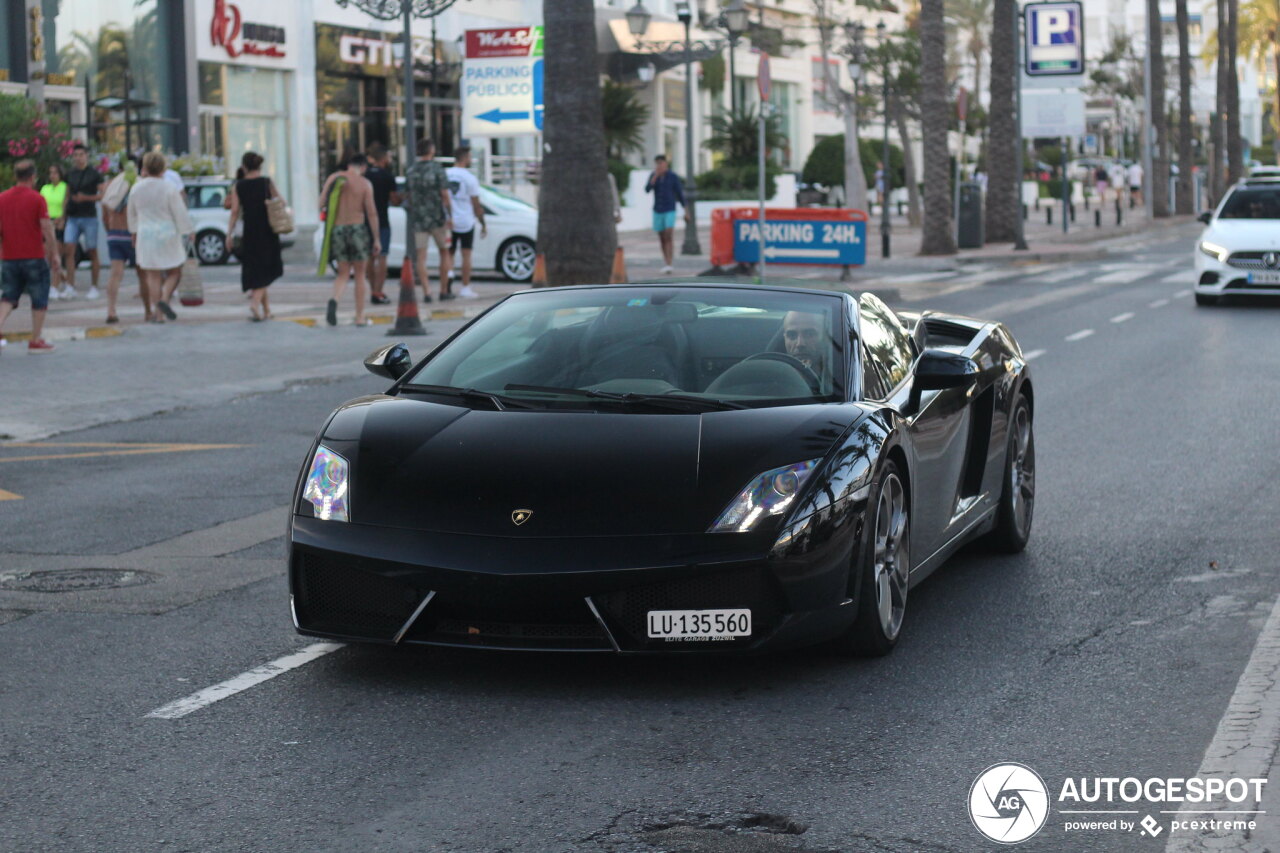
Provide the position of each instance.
(663, 468)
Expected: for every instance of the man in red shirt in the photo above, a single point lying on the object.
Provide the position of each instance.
(28, 248)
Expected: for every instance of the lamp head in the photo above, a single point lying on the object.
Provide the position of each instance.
(684, 12)
(737, 17)
(638, 19)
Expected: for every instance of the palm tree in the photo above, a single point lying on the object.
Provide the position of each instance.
(1159, 177)
(1235, 145)
(1186, 160)
(845, 105)
(971, 20)
(1259, 37)
(935, 112)
(575, 229)
(1003, 181)
(736, 135)
(625, 116)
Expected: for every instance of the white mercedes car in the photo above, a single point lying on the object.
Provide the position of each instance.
(1239, 250)
(507, 249)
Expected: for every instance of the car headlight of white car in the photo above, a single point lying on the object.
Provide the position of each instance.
(1213, 250)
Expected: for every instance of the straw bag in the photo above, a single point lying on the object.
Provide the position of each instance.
(279, 215)
(191, 286)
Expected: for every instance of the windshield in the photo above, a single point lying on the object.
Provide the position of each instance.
(500, 200)
(1252, 203)
(649, 348)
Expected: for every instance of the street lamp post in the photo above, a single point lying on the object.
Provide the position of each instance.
(885, 226)
(684, 13)
(734, 20)
(407, 321)
(853, 33)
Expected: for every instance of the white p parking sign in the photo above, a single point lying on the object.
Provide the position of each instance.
(1054, 38)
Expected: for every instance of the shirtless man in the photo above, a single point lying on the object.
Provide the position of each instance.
(115, 217)
(352, 241)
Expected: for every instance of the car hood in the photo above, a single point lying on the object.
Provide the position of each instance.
(1242, 235)
(431, 466)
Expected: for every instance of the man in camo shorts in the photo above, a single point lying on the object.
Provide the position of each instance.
(352, 242)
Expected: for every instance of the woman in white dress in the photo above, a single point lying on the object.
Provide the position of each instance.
(161, 227)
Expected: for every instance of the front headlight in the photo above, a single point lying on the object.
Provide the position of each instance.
(766, 495)
(326, 486)
(1213, 250)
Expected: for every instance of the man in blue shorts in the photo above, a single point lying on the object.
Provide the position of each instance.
(84, 190)
(28, 248)
(667, 190)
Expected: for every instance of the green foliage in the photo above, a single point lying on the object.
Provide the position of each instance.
(625, 116)
(735, 182)
(713, 74)
(30, 134)
(621, 172)
(1052, 188)
(825, 164)
(1051, 154)
(735, 135)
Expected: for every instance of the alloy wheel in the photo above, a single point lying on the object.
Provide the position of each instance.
(1022, 473)
(891, 563)
(518, 260)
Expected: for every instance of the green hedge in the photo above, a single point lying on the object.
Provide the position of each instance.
(737, 182)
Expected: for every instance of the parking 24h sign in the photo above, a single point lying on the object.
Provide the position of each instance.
(1054, 38)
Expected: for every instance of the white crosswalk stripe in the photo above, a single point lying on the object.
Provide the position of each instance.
(1125, 276)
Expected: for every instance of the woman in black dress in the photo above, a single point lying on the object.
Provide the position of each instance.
(260, 262)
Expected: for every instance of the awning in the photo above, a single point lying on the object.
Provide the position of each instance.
(662, 45)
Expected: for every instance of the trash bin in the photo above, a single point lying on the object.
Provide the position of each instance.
(969, 231)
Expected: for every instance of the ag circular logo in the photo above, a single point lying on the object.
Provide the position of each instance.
(1008, 803)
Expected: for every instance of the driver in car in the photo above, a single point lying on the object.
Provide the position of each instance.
(805, 336)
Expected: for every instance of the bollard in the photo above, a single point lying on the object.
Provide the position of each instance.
(1072, 210)
(1119, 207)
(1037, 202)
(1024, 211)
(1097, 219)
(1048, 215)
(1086, 202)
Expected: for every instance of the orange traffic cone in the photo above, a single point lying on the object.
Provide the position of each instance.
(619, 273)
(540, 271)
(407, 320)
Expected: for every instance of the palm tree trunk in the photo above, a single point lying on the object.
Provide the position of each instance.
(1275, 109)
(575, 227)
(908, 161)
(855, 181)
(938, 237)
(1159, 176)
(1235, 146)
(1186, 158)
(1218, 124)
(1003, 203)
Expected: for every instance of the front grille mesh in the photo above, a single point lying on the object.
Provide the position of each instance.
(341, 595)
(1249, 261)
(752, 588)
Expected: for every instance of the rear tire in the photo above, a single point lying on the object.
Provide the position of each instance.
(211, 247)
(881, 569)
(1018, 497)
(516, 259)
(1205, 300)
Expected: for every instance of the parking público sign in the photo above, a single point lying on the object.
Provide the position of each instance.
(502, 76)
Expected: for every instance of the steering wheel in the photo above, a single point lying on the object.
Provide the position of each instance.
(811, 379)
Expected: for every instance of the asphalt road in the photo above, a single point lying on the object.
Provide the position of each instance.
(1109, 648)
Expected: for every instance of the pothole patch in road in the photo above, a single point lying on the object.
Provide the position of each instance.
(74, 580)
(751, 832)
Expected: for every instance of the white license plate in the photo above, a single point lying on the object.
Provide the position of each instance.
(699, 625)
(1264, 278)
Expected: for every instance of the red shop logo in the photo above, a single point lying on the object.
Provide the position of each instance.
(229, 32)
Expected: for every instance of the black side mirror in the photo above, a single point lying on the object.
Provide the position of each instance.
(937, 369)
(391, 361)
(1205, 217)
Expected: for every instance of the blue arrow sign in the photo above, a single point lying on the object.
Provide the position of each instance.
(498, 116)
(801, 241)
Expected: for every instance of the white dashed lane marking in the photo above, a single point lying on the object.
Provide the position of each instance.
(1120, 318)
(1159, 303)
(243, 681)
(1181, 293)
(1080, 335)
(1035, 353)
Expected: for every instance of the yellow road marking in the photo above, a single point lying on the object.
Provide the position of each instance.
(133, 450)
(9, 496)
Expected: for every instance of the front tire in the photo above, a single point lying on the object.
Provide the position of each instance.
(882, 563)
(1205, 299)
(516, 259)
(1018, 498)
(211, 247)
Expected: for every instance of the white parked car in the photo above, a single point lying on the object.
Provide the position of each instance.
(508, 249)
(1239, 250)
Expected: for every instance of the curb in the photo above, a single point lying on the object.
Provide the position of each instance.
(1047, 257)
